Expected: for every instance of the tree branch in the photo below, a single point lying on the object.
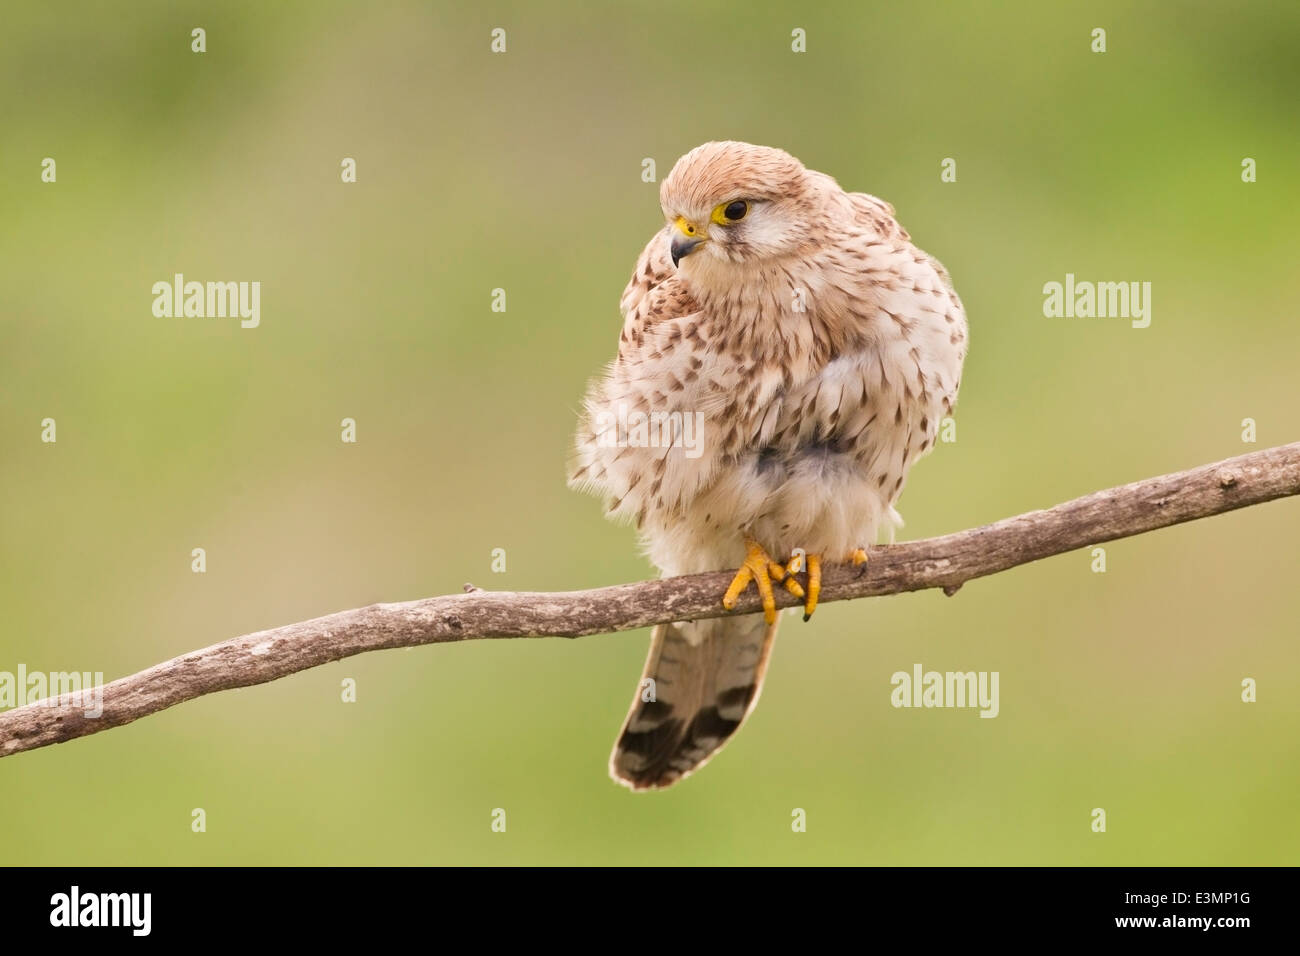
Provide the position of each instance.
(946, 562)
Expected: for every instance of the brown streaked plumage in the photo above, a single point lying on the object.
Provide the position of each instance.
(818, 350)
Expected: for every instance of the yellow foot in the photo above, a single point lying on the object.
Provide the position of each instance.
(814, 585)
(794, 566)
(762, 570)
(857, 559)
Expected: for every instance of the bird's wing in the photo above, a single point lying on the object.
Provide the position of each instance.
(878, 215)
(656, 371)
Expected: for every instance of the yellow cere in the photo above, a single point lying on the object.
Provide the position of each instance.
(686, 228)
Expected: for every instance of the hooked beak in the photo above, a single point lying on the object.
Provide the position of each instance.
(687, 238)
(682, 247)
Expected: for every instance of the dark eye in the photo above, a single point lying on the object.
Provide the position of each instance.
(736, 210)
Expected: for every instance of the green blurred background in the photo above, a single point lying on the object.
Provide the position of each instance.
(523, 171)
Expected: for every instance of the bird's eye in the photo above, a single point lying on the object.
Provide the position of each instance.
(736, 210)
(728, 213)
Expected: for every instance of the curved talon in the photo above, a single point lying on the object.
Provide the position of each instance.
(814, 584)
(760, 569)
(788, 576)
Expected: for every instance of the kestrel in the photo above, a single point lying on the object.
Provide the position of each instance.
(813, 351)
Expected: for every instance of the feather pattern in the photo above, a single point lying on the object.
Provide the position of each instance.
(813, 351)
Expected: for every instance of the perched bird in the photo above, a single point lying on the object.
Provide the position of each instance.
(786, 355)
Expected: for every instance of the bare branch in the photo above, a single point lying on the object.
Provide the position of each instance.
(947, 562)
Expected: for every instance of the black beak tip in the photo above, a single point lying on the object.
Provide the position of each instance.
(680, 248)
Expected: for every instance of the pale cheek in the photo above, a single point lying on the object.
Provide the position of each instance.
(766, 236)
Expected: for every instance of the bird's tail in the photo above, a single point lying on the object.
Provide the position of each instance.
(701, 680)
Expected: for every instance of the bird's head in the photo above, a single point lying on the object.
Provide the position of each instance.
(735, 202)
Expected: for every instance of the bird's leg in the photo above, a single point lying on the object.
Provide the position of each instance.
(762, 570)
(858, 558)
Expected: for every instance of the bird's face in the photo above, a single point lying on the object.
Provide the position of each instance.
(738, 229)
(735, 203)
